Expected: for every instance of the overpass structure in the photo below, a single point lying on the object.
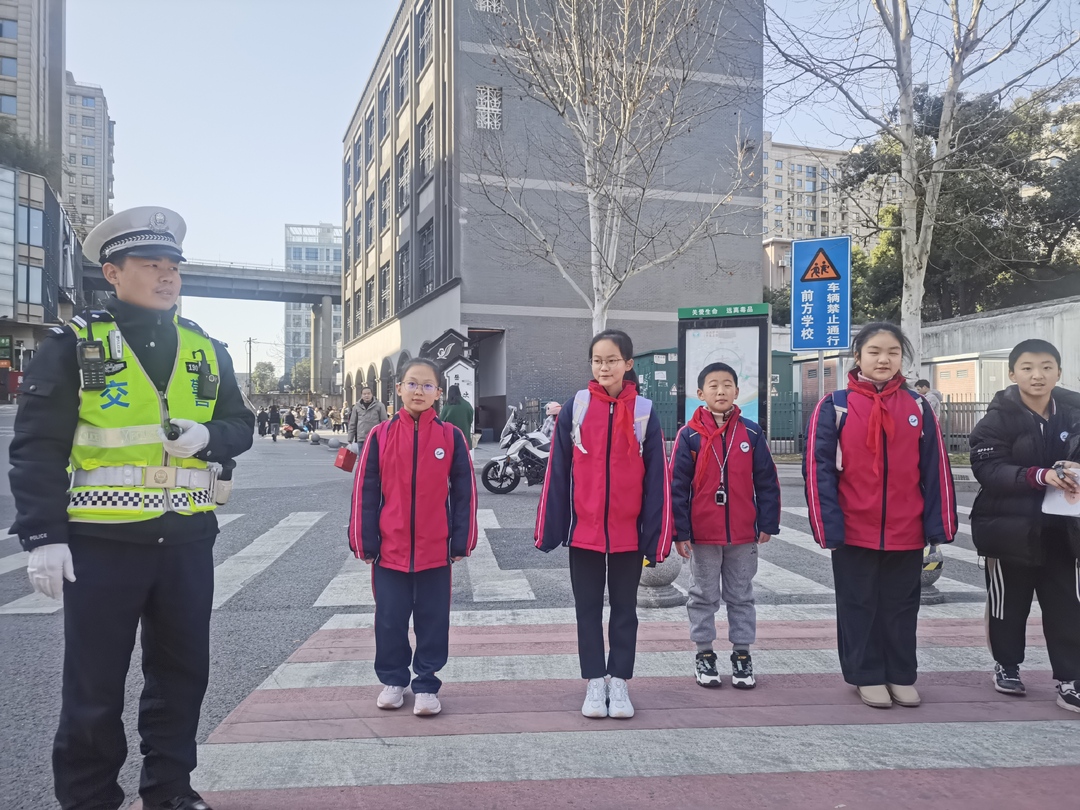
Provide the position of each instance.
(248, 282)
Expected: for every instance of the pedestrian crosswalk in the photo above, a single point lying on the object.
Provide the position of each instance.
(482, 580)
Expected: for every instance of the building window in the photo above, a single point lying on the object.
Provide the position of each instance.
(384, 292)
(88, 140)
(798, 184)
(87, 199)
(9, 29)
(348, 243)
(30, 285)
(384, 202)
(810, 229)
(348, 320)
(423, 35)
(356, 314)
(88, 101)
(359, 235)
(404, 80)
(88, 179)
(778, 224)
(369, 221)
(425, 269)
(369, 303)
(8, 105)
(9, 66)
(488, 107)
(346, 178)
(72, 118)
(778, 209)
(30, 226)
(779, 164)
(73, 139)
(88, 121)
(311, 254)
(297, 253)
(490, 6)
(72, 159)
(87, 160)
(337, 254)
(427, 147)
(779, 194)
(384, 108)
(404, 192)
(369, 137)
(404, 279)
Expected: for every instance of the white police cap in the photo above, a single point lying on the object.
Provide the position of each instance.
(149, 231)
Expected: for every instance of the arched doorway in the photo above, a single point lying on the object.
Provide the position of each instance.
(347, 393)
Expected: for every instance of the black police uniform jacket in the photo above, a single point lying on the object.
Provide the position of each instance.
(1007, 521)
(49, 414)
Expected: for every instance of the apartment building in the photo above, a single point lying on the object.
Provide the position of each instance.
(801, 200)
(32, 69)
(422, 269)
(88, 155)
(310, 249)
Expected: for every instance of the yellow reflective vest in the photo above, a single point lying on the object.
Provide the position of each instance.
(118, 432)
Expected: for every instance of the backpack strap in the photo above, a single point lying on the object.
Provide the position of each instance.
(839, 401)
(581, 407)
(642, 412)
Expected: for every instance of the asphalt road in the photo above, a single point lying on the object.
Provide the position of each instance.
(274, 611)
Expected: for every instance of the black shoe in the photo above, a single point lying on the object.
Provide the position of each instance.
(189, 801)
(705, 669)
(1007, 680)
(742, 671)
(1068, 697)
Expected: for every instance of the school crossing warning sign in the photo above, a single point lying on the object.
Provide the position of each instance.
(821, 268)
(820, 294)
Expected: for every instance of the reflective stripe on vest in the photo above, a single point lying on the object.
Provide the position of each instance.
(119, 426)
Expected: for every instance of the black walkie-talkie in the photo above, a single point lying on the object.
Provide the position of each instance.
(208, 382)
(91, 354)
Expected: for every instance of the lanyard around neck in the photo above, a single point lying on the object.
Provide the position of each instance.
(727, 453)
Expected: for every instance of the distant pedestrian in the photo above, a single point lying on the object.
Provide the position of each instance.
(1029, 442)
(725, 500)
(931, 396)
(366, 415)
(273, 421)
(335, 420)
(606, 497)
(261, 417)
(879, 489)
(413, 514)
(551, 412)
(458, 412)
(309, 417)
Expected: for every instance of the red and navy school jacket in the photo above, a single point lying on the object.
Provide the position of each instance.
(615, 496)
(750, 481)
(414, 495)
(897, 499)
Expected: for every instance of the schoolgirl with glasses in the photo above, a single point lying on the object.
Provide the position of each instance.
(413, 515)
(606, 496)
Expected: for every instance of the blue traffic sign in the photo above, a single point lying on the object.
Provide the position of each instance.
(820, 294)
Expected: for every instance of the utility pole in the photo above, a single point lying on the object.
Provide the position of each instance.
(249, 341)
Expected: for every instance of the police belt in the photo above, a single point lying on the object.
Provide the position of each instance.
(132, 476)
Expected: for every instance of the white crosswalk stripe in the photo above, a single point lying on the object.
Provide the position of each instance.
(352, 586)
(489, 582)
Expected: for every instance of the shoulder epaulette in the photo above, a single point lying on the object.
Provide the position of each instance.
(187, 323)
(90, 316)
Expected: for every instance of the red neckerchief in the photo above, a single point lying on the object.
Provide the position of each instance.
(880, 418)
(705, 424)
(624, 410)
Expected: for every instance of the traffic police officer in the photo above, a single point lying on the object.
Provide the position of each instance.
(122, 418)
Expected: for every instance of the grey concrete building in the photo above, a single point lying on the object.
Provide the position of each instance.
(88, 155)
(32, 69)
(422, 254)
(313, 249)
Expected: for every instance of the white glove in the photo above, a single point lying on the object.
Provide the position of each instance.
(49, 566)
(194, 438)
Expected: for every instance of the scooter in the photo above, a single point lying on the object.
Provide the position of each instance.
(526, 456)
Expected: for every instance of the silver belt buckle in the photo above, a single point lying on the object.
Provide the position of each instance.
(163, 477)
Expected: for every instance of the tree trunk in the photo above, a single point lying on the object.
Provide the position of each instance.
(599, 317)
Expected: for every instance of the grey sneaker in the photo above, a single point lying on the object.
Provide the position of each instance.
(426, 704)
(391, 697)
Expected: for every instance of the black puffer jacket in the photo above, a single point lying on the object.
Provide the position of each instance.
(1007, 519)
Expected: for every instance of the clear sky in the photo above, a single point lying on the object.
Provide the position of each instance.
(231, 112)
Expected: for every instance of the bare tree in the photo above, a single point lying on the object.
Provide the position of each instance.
(872, 60)
(601, 190)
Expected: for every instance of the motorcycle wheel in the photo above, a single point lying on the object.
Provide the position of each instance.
(497, 485)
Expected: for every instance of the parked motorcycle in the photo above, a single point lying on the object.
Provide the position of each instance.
(526, 457)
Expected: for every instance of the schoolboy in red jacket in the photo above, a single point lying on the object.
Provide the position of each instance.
(879, 488)
(413, 514)
(725, 499)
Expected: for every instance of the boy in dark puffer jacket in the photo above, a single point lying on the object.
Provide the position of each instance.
(1028, 441)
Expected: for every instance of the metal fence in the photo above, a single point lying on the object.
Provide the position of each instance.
(790, 414)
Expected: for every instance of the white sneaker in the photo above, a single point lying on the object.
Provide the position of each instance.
(619, 704)
(391, 697)
(426, 704)
(596, 699)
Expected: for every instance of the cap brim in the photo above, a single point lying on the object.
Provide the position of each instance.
(152, 252)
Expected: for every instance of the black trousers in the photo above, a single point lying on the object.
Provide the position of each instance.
(425, 596)
(588, 572)
(877, 612)
(169, 589)
(1009, 589)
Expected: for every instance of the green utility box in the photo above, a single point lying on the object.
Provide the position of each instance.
(658, 378)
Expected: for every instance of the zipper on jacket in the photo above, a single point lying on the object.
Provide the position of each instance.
(884, 483)
(607, 478)
(412, 520)
(723, 482)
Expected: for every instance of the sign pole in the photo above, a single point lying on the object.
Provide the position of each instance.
(820, 375)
